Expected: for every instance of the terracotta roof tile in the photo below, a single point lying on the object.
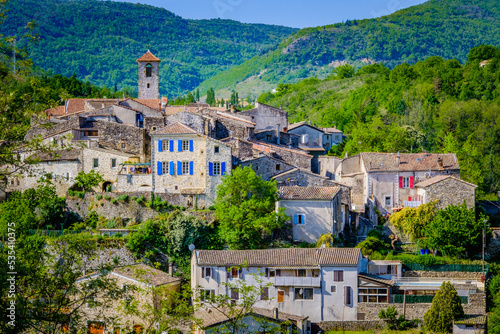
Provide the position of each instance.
(148, 56)
(146, 274)
(57, 111)
(299, 257)
(176, 128)
(151, 103)
(409, 161)
(308, 193)
(439, 178)
(75, 105)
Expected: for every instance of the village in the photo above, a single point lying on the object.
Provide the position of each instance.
(181, 154)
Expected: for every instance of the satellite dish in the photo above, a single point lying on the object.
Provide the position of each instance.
(191, 247)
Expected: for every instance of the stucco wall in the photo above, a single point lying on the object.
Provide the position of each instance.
(328, 165)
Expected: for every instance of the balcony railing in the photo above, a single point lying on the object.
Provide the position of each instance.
(297, 281)
(412, 204)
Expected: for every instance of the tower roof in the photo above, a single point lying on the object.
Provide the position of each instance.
(148, 56)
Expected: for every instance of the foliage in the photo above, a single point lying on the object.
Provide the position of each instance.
(86, 181)
(245, 209)
(371, 245)
(390, 316)
(455, 231)
(328, 240)
(413, 221)
(446, 307)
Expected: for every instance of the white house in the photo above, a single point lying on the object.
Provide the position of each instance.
(320, 283)
(313, 211)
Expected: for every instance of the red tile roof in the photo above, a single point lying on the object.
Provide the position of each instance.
(151, 103)
(375, 162)
(174, 129)
(57, 111)
(308, 193)
(280, 257)
(75, 105)
(148, 56)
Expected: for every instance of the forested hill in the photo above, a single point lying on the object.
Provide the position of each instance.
(435, 105)
(100, 41)
(446, 28)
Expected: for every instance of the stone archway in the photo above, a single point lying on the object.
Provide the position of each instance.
(106, 186)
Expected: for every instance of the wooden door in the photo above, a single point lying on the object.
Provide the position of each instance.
(281, 296)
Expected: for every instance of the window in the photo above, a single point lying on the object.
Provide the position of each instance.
(90, 133)
(164, 168)
(124, 145)
(270, 272)
(333, 289)
(264, 294)
(347, 295)
(235, 294)
(301, 273)
(327, 137)
(278, 167)
(207, 294)
(149, 71)
(338, 275)
(154, 128)
(388, 201)
(96, 162)
(315, 273)
(406, 182)
(234, 273)
(185, 167)
(216, 168)
(185, 145)
(372, 295)
(337, 137)
(269, 138)
(216, 149)
(113, 163)
(165, 145)
(148, 86)
(206, 272)
(299, 219)
(304, 293)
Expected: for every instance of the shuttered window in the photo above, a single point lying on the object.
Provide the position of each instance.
(338, 275)
(264, 294)
(235, 294)
(347, 295)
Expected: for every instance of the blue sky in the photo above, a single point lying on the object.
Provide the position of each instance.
(292, 13)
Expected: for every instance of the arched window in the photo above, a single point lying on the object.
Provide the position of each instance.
(149, 70)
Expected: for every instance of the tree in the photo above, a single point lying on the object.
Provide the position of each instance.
(413, 221)
(197, 96)
(344, 71)
(87, 181)
(482, 52)
(327, 240)
(390, 316)
(211, 97)
(245, 208)
(455, 231)
(235, 100)
(446, 307)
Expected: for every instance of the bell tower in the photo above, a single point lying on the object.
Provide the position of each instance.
(149, 80)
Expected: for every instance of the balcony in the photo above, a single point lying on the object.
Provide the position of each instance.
(297, 281)
(412, 204)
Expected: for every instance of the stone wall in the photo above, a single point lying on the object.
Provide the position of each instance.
(269, 136)
(451, 191)
(267, 167)
(125, 138)
(293, 157)
(198, 122)
(50, 128)
(224, 128)
(241, 150)
(267, 117)
(362, 325)
(328, 165)
(151, 92)
(153, 123)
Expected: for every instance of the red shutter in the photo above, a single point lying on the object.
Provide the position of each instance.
(409, 198)
(411, 181)
(400, 182)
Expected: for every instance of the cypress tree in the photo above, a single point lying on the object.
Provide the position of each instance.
(446, 307)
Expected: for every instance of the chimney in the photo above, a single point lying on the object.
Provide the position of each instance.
(440, 162)
(276, 313)
(398, 160)
(159, 105)
(171, 268)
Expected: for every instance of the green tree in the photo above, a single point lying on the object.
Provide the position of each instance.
(455, 231)
(482, 52)
(446, 307)
(344, 71)
(245, 208)
(393, 321)
(413, 221)
(235, 100)
(211, 97)
(197, 96)
(87, 181)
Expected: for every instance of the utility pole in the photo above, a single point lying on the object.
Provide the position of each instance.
(484, 239)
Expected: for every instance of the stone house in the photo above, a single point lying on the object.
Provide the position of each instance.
(447, 190)
(187, 162)
(292, 156)
(319, 283)
(258, 320)
(150, 287)
(316, 141)
(266, 117)
(267, 166)
(389, 179)
(313, 211)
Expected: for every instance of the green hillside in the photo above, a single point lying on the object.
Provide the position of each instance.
(100, 40)
(445, 28)
(435, 105)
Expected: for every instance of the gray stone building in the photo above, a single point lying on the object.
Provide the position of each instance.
(313, 211)
(149, 78)
(316, 141)
(266, 117)
(447, 190)
(187, 162)
(267, 166)
(389, 179)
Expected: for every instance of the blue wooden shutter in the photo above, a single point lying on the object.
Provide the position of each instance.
(172, 169)
(180, 146)
(296, 219)
(160, 148)
(223, 168)
(210, 168)
(171, 146)
(190, 146)
(158, 167)
(179, 168)
(191, 168)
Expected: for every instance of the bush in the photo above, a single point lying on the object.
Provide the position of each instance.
(372, 244)
(390, 316)
(123, 198)
(107, 197)
(113, 201)
(98, 197)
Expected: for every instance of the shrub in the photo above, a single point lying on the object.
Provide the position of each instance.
(123, 198)
(107, 197)
(113, 201)
(390, 316)
(98, 197)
